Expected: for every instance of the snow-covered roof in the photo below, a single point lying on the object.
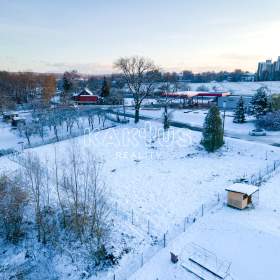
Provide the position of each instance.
(18, 118)
(89, 92)
(242, 188)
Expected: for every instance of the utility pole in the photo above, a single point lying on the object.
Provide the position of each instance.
(224, 116)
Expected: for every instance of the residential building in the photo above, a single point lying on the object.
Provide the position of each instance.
(269, 71)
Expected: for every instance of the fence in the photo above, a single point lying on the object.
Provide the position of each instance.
(161, 238)
(264, 174)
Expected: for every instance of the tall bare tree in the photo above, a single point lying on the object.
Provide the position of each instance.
(170, 85)
(140, 75)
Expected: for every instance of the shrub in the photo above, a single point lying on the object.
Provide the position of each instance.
(271, 121)
(13, 201)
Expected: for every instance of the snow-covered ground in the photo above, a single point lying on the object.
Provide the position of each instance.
(10, 137)
(158, 177)
(249, 239)
(142, 164)
(240, 88)
(196, 118)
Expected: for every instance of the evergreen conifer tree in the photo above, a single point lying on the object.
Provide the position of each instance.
(259, 102)
(105, 91)
(213, 135)
(239, 114)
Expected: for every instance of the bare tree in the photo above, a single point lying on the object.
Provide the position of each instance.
(27, 128)
(87, 201)
(170, 85)
(34, 181)
(140, 75)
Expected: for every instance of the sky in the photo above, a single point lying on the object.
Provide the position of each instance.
(89, 35)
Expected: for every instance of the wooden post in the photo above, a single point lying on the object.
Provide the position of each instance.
(185, 225)
(132, 218)
(114, 277)
(202, 210)
(164, 241)
(142, 260)
(218, 197)
(148, 227)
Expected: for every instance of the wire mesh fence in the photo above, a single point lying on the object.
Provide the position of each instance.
(264, 174)
(161, 237)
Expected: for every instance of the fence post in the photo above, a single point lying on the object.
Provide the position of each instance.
(184, 224)
(142, 260)
(164, 240)
(132, 217)
(218, 197)
(114, 277)
(148, 227)
(202, 210)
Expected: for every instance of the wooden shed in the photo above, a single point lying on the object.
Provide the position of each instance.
(242, 195)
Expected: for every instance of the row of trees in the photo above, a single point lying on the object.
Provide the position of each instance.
(18, 88)
(60, 122)
(206, 77)
(63, 204)
(261, 104)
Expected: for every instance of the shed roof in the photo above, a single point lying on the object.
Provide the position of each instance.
(242, 188)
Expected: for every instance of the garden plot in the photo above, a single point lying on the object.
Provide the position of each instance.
(159, 177)
(249, 240)
(155, 178)
(11, 138)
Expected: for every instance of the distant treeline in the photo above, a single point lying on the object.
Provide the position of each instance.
(206, 77)
(25, 87)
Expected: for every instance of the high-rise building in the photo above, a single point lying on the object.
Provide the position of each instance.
(269, 71)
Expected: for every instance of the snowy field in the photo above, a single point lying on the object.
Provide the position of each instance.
(248, 239)
(240, 88)
(160, 178)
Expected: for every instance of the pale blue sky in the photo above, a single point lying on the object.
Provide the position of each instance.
(57, 35)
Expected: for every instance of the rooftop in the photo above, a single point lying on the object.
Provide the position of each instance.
(242, 188)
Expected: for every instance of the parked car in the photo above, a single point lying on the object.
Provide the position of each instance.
(257, 132)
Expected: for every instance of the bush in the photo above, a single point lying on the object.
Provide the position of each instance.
(13, 201)
(202, 88)
(275, 100)
(271, 121)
